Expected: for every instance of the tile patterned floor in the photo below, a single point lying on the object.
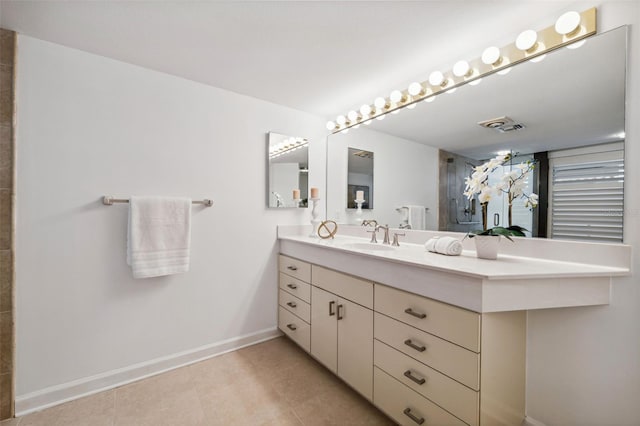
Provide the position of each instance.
(272, 383)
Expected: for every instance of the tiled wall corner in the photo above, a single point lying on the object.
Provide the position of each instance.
(7, 149)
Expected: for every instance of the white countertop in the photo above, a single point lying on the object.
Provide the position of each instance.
(505, 267)
(529, 273)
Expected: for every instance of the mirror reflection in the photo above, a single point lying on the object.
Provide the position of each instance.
(565, 113)
(359, 178)
(288, 166)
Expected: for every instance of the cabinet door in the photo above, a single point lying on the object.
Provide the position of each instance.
(324, 331)
(355, 346)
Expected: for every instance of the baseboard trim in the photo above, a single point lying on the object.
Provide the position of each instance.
(54, 395)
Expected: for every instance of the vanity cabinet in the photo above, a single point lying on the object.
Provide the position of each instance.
(294, 297)
(342, 327)
(419, 360)
(470, 365)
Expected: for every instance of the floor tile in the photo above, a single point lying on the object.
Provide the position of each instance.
(94, 410)
(167, 399)
(274, 383)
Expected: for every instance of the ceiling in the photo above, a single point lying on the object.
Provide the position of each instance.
(322, 57)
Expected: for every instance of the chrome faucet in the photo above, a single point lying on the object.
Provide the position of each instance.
(386, 233)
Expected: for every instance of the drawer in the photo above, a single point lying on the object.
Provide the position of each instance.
(295, 268)
(449, 322)
(454, 397)
(298, 330)
(346, 286)
(406, 406)
(296, 287)
(452, 360)
(294, 305)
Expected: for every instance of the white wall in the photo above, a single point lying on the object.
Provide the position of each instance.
(584, 363)
(89, 126)
(393, 159)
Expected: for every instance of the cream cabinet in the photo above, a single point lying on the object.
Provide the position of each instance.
(342, 329)
(419, 360)
(294, 295)
(470, 365)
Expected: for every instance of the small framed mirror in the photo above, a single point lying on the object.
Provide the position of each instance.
(288, 171)
(359, 178)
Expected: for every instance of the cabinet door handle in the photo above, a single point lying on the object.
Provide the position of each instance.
(415, 314)
(331, 305)
(292, 286)
(410, 375)
(418, 420)
(292, 268)
(292, 304)
(409, 343)
(496, 219)
(291, 327)
(340, 308)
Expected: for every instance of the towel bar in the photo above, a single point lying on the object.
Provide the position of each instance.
(108, 200)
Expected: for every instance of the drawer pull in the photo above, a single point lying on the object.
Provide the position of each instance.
(331, 305)
(415, 314)
(340, 308)
(291, 304)
(291, 327)
(418, 420)
(409, 375)
(409, 343)
(292, 268)
(292, 286)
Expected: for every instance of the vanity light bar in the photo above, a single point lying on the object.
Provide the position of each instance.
(288, 145)
(569, 28)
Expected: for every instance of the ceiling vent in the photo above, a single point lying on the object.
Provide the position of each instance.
(502, 124)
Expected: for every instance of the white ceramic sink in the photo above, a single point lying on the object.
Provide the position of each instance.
(368, 246)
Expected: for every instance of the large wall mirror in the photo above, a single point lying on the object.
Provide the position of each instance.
(565, 112)
(288, 169)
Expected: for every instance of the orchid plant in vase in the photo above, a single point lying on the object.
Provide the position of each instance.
(512, 183)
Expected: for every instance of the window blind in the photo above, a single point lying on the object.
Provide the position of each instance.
(587, 196)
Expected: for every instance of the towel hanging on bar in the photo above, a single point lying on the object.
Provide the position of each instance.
(159, 236)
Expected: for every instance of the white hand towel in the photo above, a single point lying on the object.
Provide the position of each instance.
(444, 245)
(159, 236)
(417, 217)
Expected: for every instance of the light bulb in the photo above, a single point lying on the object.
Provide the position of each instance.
(436, 78)
(380, 103)
(538, 58)
(568, 23)
(415, 89)
(577, 44)
(412, 106)
(475, 82)
(527, 40)
(365, 110)
(331, 125)
(353, 116)
(461, 68)
(491, 56)
(430, 99)
(450, 91)
(381, 117)
(504, 71)
(341, 120)
(396, 96)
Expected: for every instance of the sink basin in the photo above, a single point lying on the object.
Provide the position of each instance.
(368, 246)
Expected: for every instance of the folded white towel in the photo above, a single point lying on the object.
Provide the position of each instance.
(159, 236)
(444, 245)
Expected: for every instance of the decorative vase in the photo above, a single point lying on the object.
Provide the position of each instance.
(487, 246)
